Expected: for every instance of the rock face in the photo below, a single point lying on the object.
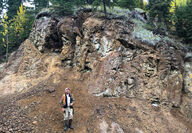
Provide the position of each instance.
(119, 64)
(188, 74)
(115, 62)
(186, 106)
(45, 32)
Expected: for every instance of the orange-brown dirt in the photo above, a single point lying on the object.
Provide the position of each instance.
(40, 112)
(91, 113)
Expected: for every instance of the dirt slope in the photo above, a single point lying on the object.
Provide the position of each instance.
(39, 111)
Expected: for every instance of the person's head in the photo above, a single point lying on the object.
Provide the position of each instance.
(67, 90)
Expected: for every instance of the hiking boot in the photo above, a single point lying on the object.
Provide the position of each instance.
(65, 128)
(70, 124)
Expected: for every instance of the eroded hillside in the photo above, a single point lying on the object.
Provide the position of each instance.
(123, 79)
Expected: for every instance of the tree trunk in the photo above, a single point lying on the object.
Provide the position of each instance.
(104, 6)
(7, 48)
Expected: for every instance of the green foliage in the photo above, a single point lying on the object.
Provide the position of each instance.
(13, 6)
(119, 11)
(159, 12)
(2, 49)
(177, 3)
(40, 4)
(183, 22)
(65, 7)
(130, 3)
(19, 20)
(104, 4)
(5, 24)
(18, 29)
(1, 6)
(109, 3)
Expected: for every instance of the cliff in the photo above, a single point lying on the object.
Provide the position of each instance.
(123, 77)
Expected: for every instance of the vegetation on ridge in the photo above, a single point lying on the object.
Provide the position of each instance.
(165, 17)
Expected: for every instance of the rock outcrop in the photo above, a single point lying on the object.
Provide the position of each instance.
(119, 63)
(110, 57)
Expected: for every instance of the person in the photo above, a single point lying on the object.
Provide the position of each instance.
(66, 104)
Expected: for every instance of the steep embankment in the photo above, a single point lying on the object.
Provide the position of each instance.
(123, 79)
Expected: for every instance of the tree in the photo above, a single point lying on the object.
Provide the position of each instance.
(104, 7)
(130, 3)
(19, 19)
(17, 26)
(39, 4)
(3, 5)
(141, 4)
(182, 20)
(104, 3)
(89, 1)
(66, 7)
(17, 29)
(5, 24)
(159, 11)
(12, 7)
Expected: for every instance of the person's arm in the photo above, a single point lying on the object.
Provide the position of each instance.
(61, 102)
(72, 101)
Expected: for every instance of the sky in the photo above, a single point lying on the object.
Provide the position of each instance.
(146, 1)
(28, 4)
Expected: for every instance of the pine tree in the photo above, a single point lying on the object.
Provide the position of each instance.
(159, 11)
(189, 22)
(183, 23)
(16, 30)
(104, 3)
(130, 3)
(66, 7)
(39, 4)
(1, 6)
(13, 6)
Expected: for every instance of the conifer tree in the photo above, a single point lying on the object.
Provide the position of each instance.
(5, 25)
(130, 3)
(1, 6)
(183, 21)
(12, 7)
(66, 7)
(159, 11)
(39, 4)
(104, 4)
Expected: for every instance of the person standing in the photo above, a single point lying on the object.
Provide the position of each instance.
(66, 104)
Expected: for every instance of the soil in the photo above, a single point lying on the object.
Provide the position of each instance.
(38, 111)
